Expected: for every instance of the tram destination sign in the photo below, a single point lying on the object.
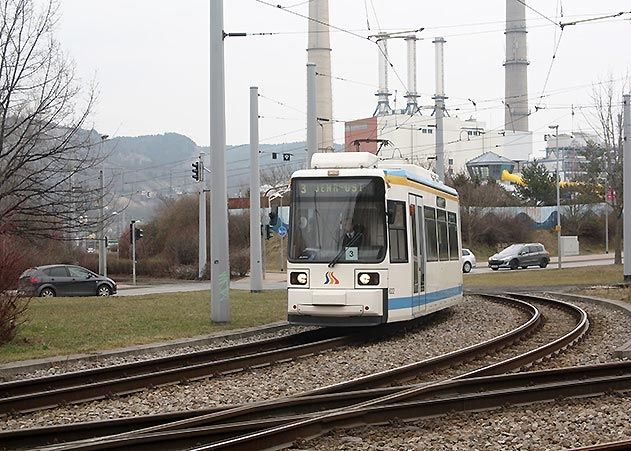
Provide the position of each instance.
(336, 188)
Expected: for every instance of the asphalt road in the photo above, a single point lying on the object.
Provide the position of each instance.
(567, 262)
(277, 281)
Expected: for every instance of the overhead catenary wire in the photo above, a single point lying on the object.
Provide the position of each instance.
(352, 33)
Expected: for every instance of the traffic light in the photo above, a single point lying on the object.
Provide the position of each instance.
(131, 233)
(268, 232)
(274, 155)
(139, 234)
(196, 171)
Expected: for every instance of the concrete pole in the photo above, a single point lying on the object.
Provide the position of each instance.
(220, 264)
(312, 118)
(626, 155)
(202, 220)
(439, 108)
(559, 247)
(101, 234)
(256, 268)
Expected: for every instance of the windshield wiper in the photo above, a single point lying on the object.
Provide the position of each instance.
(341, 252)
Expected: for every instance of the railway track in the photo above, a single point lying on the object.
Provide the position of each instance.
(44, 392)
(222, 424)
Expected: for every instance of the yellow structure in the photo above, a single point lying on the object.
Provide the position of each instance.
(514, 178)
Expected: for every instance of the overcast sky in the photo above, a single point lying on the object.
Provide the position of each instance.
(150, 59)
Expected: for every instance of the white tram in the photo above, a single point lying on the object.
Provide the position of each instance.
(370, 242)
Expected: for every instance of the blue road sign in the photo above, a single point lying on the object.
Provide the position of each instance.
(282, 231)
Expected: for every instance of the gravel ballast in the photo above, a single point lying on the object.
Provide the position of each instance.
(470, 322)
(559, 425)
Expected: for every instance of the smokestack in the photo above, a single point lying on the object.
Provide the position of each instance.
(439, 107)
(516, 68)
(319, 53)
(383, 105)
(411, 95)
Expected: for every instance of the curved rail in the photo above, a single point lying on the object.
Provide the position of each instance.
(38, 393)
(295, 416)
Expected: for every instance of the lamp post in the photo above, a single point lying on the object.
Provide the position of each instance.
(558, 227)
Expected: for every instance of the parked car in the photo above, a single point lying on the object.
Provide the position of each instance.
(520, 256)
(468, 260)
(64, 280)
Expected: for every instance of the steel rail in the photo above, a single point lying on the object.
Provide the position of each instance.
(611, 446)
(70, 379)
(249, 418)
(315, 400)
(481, 393)
(124, 385)
(284, 435)
(275, 436)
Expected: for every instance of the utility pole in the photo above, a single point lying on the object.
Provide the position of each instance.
(439, 108)
(558, 227)
(101, 235)
(312, 118)
(256, 269)
(202, 219)
(220, 264)
(626, 180)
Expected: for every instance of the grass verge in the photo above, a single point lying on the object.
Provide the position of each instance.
(586, 275)
(62, 326)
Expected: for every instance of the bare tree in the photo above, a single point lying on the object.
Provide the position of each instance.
(604, 160)
(48, 180)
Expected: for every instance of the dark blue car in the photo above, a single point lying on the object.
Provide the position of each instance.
(64, 280)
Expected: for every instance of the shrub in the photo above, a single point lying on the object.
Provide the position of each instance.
(13, 261)
(187, 272)
(240, 262)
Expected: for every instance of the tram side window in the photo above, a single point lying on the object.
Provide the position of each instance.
(443, 243)
(397, 231)
(453, 236)
(431, 236)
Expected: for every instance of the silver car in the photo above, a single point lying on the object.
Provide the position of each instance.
(520, 255)
(468, 260)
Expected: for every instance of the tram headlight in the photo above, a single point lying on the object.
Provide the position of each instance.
(368, 278)
(298, 278)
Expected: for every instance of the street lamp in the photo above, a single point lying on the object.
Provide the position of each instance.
(556, 128)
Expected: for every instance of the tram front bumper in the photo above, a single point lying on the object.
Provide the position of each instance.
(336, 302)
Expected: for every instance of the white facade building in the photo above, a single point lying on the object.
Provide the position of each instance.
(413, 137)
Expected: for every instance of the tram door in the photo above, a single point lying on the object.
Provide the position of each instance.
(418, 254)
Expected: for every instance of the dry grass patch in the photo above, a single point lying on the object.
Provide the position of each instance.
(62, 326)
(585, 275)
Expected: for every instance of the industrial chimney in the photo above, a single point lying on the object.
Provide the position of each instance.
(319, 53)
(516, 68)
(383, 104)
(411, 95)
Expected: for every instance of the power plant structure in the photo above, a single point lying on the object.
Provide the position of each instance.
(516, 68)
(319, 53)
(410, 135)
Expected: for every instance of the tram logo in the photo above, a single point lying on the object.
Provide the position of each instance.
(330, 279)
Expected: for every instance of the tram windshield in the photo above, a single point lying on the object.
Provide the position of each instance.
(338, 220)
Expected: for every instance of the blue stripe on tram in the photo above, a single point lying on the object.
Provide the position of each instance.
(434, 296)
